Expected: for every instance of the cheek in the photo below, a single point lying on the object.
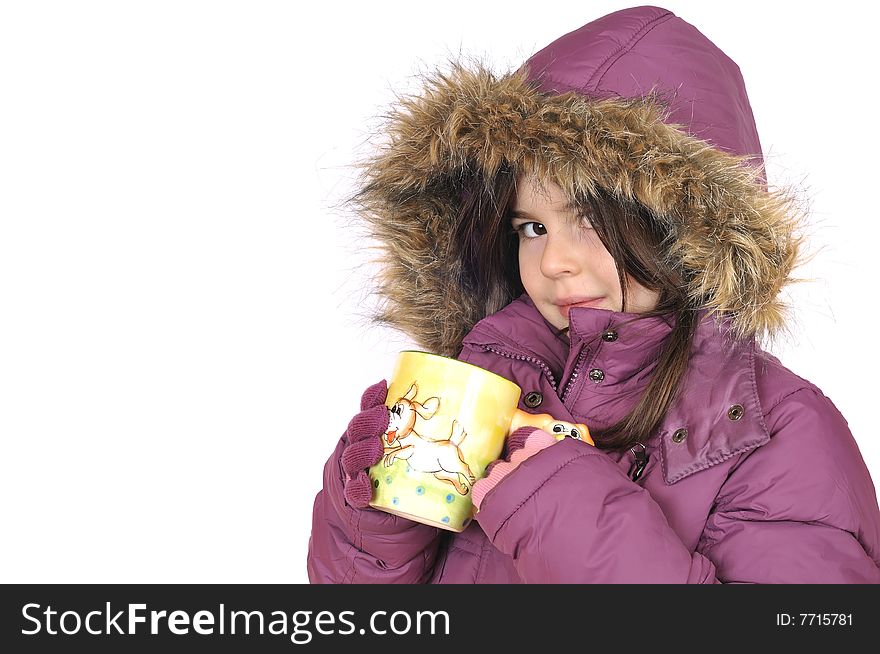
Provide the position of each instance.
(529, 265)
(599, 261)
(640, 298)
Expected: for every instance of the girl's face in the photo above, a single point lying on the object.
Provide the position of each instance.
(562, 261)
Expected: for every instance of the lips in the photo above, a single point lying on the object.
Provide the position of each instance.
(565, 304)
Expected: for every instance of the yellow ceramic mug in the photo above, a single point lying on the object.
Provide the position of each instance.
(447, 421)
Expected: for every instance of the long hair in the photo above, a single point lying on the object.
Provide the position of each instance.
(487, 252)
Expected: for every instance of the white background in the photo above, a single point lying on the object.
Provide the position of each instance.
(182, 317)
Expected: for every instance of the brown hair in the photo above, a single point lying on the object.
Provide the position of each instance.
(485, 249)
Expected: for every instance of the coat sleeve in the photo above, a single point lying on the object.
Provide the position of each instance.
(349, 545)
(800, 509)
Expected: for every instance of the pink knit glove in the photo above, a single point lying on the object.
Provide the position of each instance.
(523, 443)
(364, 449)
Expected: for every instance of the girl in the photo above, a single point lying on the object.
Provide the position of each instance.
(596, 227)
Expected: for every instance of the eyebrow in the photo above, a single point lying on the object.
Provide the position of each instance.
(525, 215)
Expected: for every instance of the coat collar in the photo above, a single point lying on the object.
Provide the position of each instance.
(720, 376)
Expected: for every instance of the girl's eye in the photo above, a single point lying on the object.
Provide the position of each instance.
(530, 230)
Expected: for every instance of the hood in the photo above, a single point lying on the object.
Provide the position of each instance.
(638, 103)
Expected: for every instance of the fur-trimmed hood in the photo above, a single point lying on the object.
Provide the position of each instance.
(638, 103)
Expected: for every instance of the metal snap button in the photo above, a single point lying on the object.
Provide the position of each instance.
(533, 399)
(735, 412)
(610, 336)
(679, 435)
(597, 375)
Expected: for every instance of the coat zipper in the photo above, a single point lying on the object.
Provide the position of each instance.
(521, 357)
(574, 374)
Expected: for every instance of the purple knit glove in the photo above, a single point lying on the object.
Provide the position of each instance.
(364, 445)
(523, 443)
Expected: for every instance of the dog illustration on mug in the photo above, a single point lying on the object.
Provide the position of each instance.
(442, 458)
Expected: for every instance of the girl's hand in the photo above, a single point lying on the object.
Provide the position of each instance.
(364, 449)
(523, 443)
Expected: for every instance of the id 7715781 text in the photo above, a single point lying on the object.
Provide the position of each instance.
(814, 619)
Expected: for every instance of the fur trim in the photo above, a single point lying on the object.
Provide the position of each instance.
(736, 240)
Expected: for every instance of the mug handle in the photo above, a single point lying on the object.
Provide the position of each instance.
(558, 428)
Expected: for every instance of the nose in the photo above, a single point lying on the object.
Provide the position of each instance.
(560, 255)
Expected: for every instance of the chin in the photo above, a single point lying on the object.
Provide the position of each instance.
(558, 321)
(552, 316)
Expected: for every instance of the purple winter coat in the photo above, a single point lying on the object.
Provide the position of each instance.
(753, 474)
(779, 495)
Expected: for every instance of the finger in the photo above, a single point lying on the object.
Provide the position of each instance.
(361, 455)
(368, 424)
(374, 395)
(518, 438)
(359, 491)
(539, 439)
